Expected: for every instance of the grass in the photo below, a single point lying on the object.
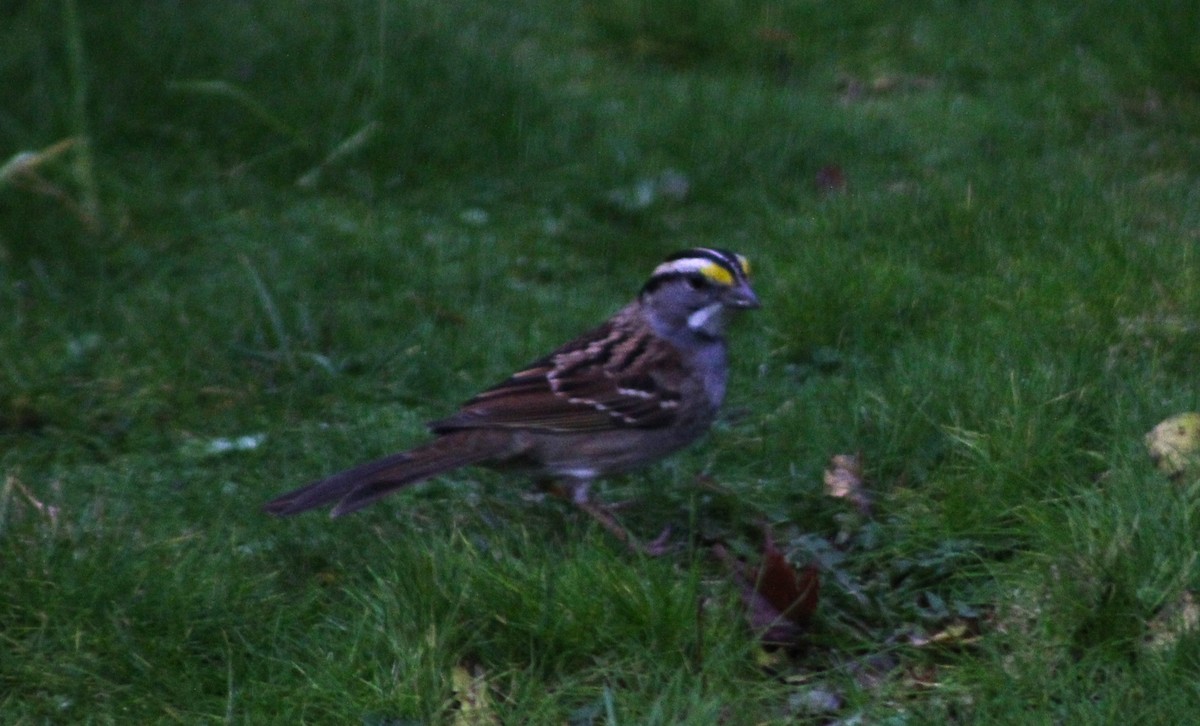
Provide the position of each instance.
(317, 230)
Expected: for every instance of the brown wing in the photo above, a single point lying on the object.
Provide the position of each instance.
(589, 384)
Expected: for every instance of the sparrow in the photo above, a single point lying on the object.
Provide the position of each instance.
(640, 386)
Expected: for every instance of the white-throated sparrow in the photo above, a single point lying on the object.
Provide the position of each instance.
(645, 383)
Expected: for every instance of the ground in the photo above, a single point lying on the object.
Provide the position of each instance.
(244, 245)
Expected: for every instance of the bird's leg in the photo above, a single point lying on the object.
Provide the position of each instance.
(576, 491)
(580, 490)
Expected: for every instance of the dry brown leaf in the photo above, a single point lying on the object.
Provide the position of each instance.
(1174, 444)
(780, 600)
(844, 480)
(794, 593)
(957, 632)
(1173, 622)
(471, 697)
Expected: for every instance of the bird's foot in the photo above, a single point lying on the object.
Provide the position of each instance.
(656, 547)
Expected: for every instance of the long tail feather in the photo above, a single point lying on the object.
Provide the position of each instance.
(367, 483)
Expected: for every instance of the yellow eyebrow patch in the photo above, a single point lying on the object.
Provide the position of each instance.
(717, 274)
(724, 271)
(744, 264)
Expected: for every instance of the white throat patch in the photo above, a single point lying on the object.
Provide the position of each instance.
(699, 320)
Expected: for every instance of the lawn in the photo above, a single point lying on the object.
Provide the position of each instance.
(245, 245)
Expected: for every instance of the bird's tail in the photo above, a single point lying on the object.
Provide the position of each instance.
(367, 483)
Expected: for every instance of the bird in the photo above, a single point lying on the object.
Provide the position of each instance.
(640, 386)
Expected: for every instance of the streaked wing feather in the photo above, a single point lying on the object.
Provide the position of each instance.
(583, 386)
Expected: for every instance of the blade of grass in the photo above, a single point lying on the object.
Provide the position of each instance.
(348, 146)
(227, 91)
(85, 168)
(273, 316)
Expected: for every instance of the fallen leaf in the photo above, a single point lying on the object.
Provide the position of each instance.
(793, 593)
(780, 600)
(957, 632)
(844, 480)
(473, 706)
(1174, 444)
(1172, 622)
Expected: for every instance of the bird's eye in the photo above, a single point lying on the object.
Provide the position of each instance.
(697, 282)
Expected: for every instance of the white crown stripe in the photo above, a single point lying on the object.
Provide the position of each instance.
(684, 265)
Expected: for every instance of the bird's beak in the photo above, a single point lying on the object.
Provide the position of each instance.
(742, 297)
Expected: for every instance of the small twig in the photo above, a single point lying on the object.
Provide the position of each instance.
(50, 511)
(27, 162)
(22, 171)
